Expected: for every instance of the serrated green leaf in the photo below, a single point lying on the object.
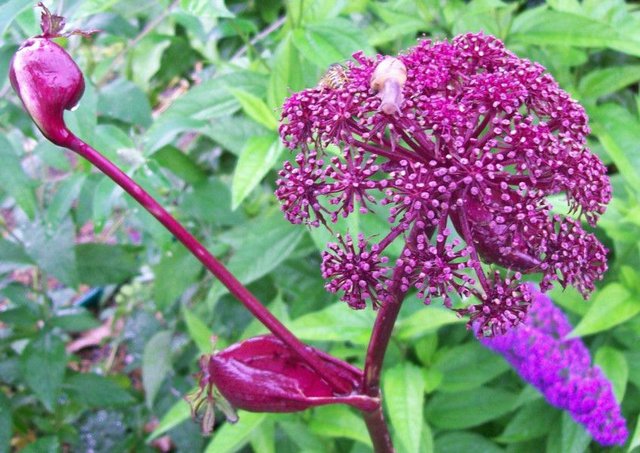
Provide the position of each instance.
(180, 164)
(42, 365)
(233, 436)
(123, 100)
(403, 388)
(614, 365)
(64, 198)
(612, 305)
(257, 158)
(156, 363)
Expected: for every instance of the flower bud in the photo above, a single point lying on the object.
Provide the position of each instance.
(48, 82)
(262, 374)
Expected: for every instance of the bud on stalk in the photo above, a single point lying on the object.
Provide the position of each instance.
(262, 374)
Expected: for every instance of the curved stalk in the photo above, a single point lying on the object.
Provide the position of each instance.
(202, 254)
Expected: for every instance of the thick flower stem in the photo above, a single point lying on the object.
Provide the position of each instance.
(202, 254)
(380, 337)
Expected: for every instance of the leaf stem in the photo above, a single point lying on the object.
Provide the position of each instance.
(207, 259)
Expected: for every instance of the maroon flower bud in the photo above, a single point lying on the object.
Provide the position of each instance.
(48, 82)
(46, 78)
(262, 374)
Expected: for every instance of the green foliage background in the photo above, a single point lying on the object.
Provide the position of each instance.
(184, 96)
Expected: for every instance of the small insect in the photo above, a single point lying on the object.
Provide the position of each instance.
(335, 77)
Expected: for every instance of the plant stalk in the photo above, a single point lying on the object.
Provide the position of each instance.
(236, 288)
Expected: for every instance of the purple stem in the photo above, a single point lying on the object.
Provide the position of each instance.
(380, 337)
(202, 254)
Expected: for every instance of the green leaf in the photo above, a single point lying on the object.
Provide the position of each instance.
(74, 320)
(54, 250)
(207, 101)
(97, 391)
(459, 441)
(104, 264)
(14, 179)
(634, 441)
(178, 413)
(329, 42)
(199, 332)
(469, 408)
(48, 444)
(300, 435)
(257, 158)
(123, 100)
(146, 60)
(233, 436)
(468, 366)
(9, 10)
(614, 365)
(335, 323)
(618, 131)
(156, 363)
(180, 164)
(403, 387)
(604, 81)
(256, 109)
(64, 197)
(532, 421)
(546, 27)
(424, 321)
(612, 305)
(285, 75)
(42, 365)
(263, 439)
(568, 436)
(169, 284)
(339, 421)
(10, 252)
(6, 424)
(260, 246)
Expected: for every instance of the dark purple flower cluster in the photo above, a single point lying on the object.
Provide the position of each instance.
(561, 369)
(457, 135)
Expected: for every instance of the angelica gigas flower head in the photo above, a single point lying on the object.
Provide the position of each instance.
(457, 136)
(561, 370)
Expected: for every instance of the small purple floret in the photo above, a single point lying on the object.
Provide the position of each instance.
(561, 369)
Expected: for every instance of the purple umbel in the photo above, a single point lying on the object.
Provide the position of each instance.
(460, 134)
(561, 369)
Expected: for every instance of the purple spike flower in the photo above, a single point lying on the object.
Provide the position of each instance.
(561, 369)
(464, 135)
